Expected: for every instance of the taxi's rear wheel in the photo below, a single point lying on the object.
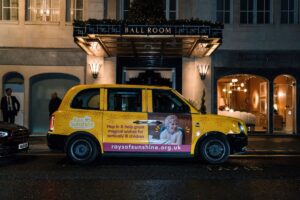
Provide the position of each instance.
(214, 149)
(82, 150)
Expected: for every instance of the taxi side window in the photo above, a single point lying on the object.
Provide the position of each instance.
(87, 99)
(165, 101)
(126, 100)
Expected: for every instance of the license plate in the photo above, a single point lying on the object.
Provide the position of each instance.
(23, 145)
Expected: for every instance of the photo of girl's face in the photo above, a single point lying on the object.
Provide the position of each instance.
(172, 126)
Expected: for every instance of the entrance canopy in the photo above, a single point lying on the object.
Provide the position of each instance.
(147, 40)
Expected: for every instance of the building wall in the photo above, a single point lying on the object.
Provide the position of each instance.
(275, 36)
(192, 85)
(28, 71)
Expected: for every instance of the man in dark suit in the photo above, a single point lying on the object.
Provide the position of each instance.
(54, 103)
(10, 106)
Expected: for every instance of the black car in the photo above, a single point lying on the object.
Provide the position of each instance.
(13, 138)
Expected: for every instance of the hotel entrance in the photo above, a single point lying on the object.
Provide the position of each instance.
(150, 71)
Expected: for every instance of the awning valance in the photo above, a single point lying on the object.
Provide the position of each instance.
(147, 41)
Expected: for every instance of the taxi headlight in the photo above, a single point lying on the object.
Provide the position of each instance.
(3, 134)
(242, 129)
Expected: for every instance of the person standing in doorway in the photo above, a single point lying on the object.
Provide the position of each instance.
(54, 103)
(10, 106)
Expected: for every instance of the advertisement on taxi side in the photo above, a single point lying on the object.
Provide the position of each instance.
(159, 133)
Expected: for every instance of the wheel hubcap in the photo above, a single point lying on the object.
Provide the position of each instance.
(81, 149)
(215, 150)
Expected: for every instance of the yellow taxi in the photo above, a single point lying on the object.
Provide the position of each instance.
(107, 120)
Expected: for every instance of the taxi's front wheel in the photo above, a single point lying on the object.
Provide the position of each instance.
(215, 149)
(82, 150)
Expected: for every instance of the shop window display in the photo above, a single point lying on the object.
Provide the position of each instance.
(245, 97)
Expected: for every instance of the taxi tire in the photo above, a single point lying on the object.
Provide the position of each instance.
(214, 149)
(82, 150)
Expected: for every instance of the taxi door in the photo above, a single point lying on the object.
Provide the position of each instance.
(172, 130)
(124, 120)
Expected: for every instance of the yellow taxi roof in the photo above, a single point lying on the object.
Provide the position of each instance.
(122, 86)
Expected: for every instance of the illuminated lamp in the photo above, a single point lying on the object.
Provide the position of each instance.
(203, 69)
(95, 68)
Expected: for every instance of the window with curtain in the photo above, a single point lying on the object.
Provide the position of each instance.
(263, 11)
(223, 11)
(43, 10)
(289, 12)
(9, 10)
(255, 12)
(171, 9)
(74, 10)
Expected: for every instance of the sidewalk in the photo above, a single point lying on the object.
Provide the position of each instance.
(257, 144)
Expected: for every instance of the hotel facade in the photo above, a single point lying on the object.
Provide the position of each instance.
(253, 67)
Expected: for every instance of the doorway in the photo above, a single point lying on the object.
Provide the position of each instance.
(41, 88)
(284, 117)
(15, 81)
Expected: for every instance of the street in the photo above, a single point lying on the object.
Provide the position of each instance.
(52, 176)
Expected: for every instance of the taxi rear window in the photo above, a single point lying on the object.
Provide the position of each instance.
(87, 99)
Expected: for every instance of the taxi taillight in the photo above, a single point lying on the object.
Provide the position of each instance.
(51, 127)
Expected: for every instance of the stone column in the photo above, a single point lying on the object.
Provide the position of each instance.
(26, 101)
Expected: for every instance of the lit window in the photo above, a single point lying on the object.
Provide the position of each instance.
(223, 11)
(74, 10)
(289, 12)
(9, 10)
(255, 12)
(43, 10)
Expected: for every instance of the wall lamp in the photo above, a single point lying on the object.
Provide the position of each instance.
(203, 69)
(95, 68)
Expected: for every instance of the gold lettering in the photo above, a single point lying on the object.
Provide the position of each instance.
(154, 30)
(126, 29)
(149, 30)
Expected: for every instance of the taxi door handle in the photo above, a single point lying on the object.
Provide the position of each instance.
(197, 124)
(156, 122)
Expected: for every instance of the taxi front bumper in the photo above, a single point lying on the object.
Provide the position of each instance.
(237, 142)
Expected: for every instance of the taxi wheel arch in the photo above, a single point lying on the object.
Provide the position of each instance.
(213, 148)
(82, 148)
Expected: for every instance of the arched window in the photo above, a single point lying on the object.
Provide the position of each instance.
(245, 96)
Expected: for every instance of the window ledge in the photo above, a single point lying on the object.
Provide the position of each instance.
(41, 23)
(9, 22)
(69, 24)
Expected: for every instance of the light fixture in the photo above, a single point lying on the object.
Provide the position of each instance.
(95, 68)
(234, 80)
(203, 69)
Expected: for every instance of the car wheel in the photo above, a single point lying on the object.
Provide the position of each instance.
(82, 150)
(215, 149)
